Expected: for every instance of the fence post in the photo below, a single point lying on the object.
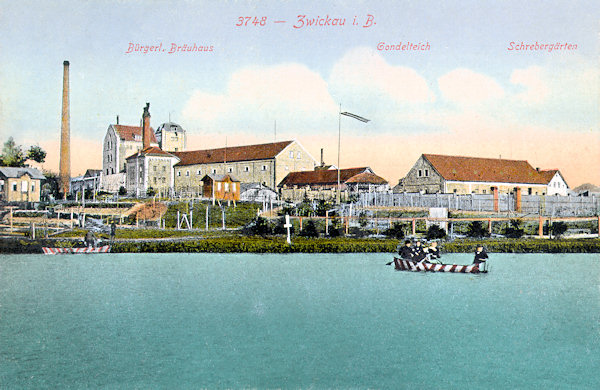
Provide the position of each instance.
(541, 227)
(490, 225)
(414, 226)
(326, 223)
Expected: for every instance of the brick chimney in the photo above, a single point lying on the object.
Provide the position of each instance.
(65, 135)
(146, 132)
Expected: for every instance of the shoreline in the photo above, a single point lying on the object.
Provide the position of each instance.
(276, 244)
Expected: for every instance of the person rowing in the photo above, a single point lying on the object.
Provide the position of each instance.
(480, 256)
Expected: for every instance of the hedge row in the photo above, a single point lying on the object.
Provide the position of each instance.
(525, 245)
(306, 245)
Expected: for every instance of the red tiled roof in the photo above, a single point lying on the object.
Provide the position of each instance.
(126, 133)
(151, 151)
(455, 168)
(548, 174)
(368, 178)
(233, 153)
(320, 177)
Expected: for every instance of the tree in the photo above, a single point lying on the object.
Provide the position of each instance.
(36, 154)
(122, 191)
(150, 192)
(12, 154)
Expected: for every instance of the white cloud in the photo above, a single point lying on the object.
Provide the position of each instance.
(287, 92)
(465, 87)
(365, 69)
(536, 89)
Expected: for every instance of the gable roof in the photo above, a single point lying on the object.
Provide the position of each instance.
(151, 151)
(367, 178)
(321, 177)
(458, 168)
(126, 133)
(217, 177)
(232, 153)
(16, 172)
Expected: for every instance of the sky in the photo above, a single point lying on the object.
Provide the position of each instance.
(268, 75)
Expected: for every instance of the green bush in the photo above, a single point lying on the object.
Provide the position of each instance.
(258, 227)
(558, 228)
(435, 232)
(476, 229)
(309, 229)
(396, 231)
(514, 230)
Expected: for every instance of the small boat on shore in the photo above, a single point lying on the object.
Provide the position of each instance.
(416, 266)
(76, 251)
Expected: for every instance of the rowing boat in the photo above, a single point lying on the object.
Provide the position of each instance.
(416, 266)
(76, 251)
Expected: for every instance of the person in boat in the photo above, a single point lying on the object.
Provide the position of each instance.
(433, 253)
(419, 253)
(90, 239)
(406, 252)
(480, 255)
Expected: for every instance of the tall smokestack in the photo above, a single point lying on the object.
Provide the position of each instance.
(65, 134)
(146, 132)
(322, 161)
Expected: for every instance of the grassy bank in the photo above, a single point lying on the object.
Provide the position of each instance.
(242, 244)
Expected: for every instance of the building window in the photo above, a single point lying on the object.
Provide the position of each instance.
(113, 170)
(107, 171)
(291, 154)
(155, 180)
(214, 170)
(298, 155)
(420, 173)
(246, 169)
(199, 172)
(230, 169)
(426, 172)
(219, 186)
(164, 168)
(187, 173)
(226, 187)
(14, 187)
(264, 167)
(178, 173)
(483, 191)
(154, 168)
(24, 186)
(233, 187)
(32, 187)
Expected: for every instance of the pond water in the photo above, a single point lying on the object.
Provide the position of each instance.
(297, 321)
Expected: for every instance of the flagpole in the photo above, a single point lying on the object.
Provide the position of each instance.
(357, 117)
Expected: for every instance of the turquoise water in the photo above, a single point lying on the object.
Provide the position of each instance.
(297, 321)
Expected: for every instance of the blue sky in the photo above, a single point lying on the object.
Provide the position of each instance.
(532, 105)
